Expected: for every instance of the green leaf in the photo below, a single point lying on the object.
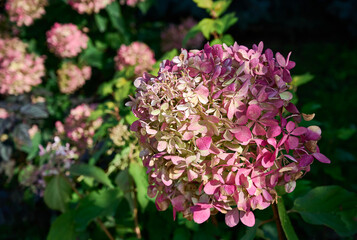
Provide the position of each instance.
(62, 228)
(92, 56)
(115, 16)
(207, 26)
(101, 22)
(57, 193)
(345, 133)
(332, 206)
(191, 34)
(34, 111)
(91, 171)
(251, 232)
(228, 39)
(21, 135)
(97, 204)
(138, 173)
(301, 79)
(144, 6)
(285, 221)
(206, 4)
(224, 23)
(220, 7)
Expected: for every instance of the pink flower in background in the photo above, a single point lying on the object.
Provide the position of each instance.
(138, 55)
(66, 40)
(3, 113)
(71, 77)
(88, 6)
(56, 159)
(33, 130)
(131, 3)
(78, 129)
(24, 12)
(219, 132)
(173, 36)
(19, 70)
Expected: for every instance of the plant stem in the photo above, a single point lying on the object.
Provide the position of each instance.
(281, 235)
(135, 213)
(100, 223)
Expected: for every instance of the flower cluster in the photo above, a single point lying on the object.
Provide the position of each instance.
(19, 70)
(173, 36)
(78, 129)
(24, 12)
(66, 40)
(131, 3)
(138, 55)
(3, 113)
(219, 132)
(88, 6)
(57, 159)
(119, 134)
(71, 77)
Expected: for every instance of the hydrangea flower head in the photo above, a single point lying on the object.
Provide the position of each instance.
(173, 36)
(24, 12)
(219, 132)
(136, 54)
(66, 40)
(71, 77)
(57, 159)
(19, 70)
(131, 3)
(78, 129)
(88, 6)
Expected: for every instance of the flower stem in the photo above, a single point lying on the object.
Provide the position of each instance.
(281, 235)
(135, 213)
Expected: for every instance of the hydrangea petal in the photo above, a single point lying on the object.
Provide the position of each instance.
(232, 217)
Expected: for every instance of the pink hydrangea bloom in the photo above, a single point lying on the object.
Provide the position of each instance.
(66, 40)
(131, 3)
(71, 77)
(19, 70)
(219, 132)
(136, 54)
(24, 12)
(173, 36)
(3, 113)
(89, 6)
(78, 129)
(57, 159)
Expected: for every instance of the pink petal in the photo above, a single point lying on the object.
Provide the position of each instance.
(290, 126)
(247, 218)
(267, 195)
(211, 187)
(290, 186)
(187, 136)
(305, 160)
(253, 112)
(191, 175)
(232, 217)
(206, 67)
(242, 133)
(293, 142)
(178, 202)
(258, 130)
(299, 131)
(135, 126)
(204, 143)
(322, 158)
(161, 146)
(280, 59)
(273, 131)
(202, 215)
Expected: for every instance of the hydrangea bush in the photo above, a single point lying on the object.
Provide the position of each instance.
(71, 77)
(88, 6)
(24, 12)
(219, 132)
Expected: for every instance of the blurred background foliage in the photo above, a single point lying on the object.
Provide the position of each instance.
(106, 189)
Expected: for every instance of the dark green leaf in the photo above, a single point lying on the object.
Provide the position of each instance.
(92, 56)
(251, 232)
(96, 204)
(181, 234)
(138, 173)
(34, 111)
(285, 221)
(144, 6)
(101, 22)
(21, 135)
(207, 4)
(91, 171)
(62, 228)
(5, 152)
(167, 56)
(332, 206)
(224, 23)
(116, 17)
(57, 193)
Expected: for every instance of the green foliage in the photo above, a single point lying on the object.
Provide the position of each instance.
(285, 221)
(138, 173)
(332, 206)
(63, 228)
(91, 171)
(57, 193)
